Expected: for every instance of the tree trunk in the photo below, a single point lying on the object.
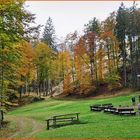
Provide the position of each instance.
(132, 63)
(39, 88)
(21, 91)
(124, 63)
(108, 56)
(95, 67)
(26, 86)
(44, 89)
(1, 118)
(91, 71)
(47, 87)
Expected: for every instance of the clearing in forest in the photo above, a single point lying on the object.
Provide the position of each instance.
(29, 121)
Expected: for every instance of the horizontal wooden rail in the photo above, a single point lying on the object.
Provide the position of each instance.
(62, 118)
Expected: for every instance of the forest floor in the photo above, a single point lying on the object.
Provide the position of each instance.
(29, 121)
(111, 94)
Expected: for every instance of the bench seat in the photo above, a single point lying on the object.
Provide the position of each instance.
(126, 111)
(96, 109)
(99, 107)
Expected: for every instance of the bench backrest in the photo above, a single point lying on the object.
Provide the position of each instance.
(96, 105)
(109, 104)
(64, 115)
(113, 108)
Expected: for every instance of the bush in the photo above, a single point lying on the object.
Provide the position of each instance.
(113, 80)
(12, 95)
(36, 99)
(81, 91)
(114, 86)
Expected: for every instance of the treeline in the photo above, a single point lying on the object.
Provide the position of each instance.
(105, 56)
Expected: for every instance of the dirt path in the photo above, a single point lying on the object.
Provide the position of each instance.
(25, 127)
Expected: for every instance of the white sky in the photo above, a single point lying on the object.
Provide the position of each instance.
(69, 16)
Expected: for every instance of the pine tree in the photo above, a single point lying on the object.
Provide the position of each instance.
(92, 26)
(133, 37)
(49, 34)
(120, 30)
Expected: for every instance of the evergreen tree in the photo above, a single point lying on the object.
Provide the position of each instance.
(120, 30)
(133, 37)
(49, 34)
(92, 26)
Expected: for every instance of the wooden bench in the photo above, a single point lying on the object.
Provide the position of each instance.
(126, 111)
(108, 109)
(99, 107)
(112, 110)
(62, 119)
(95, 107)
(121, 111)
(106, 106)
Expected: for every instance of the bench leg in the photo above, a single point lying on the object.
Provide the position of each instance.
(77, 117)
(48, 125)
(54, 122)
(72, 120)
(90, 108)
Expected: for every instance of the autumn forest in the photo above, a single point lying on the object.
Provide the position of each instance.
(105, 58)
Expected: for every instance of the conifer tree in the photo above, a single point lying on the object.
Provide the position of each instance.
(49, 34)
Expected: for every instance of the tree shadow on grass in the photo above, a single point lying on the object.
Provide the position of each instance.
(68, 124)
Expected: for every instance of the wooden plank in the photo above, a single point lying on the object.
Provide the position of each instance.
(96, 109)
(71, 120)
(127, 113)
(125, 109)
(96, 105)
(64, 118)
(109, 104)
(66, 114)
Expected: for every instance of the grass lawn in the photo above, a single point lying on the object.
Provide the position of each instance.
(93, 124)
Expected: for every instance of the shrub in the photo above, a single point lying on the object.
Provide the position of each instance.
(36, 99)
(113, 80)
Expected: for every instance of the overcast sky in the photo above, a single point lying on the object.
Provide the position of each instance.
(69, 16)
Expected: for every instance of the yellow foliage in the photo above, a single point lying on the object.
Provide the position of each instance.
(10, 1)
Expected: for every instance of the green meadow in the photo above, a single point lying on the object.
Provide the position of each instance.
(91, 125)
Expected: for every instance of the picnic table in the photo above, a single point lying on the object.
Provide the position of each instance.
(121, 110)
(99, 107)
(95, 107)
(126, 111)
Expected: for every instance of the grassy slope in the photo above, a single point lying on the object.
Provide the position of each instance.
(94, 124)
